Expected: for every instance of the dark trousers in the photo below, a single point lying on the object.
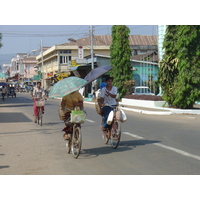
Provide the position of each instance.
(106, 111)
(3, 95)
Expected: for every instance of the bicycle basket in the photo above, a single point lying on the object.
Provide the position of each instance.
(77, 116)
(40, 103)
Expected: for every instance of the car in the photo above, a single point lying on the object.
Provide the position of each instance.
(142, 90)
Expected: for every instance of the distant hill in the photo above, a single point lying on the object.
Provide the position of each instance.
(6, 58)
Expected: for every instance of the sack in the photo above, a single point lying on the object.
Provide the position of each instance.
(77, 116)
(98, 108)
(124, 118)
(110, 117)
(61, 113)
(121, 116)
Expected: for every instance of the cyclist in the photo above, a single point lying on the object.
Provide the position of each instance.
(3, 92)
(70, 101)
(38, 93)
(108, 97)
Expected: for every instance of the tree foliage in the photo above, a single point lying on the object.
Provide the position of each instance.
(179, 73)
(120, 58)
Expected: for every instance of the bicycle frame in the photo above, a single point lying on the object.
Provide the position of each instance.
(75, 138)
(113, 134)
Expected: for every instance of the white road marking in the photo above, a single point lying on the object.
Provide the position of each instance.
(184, 153)
(88, 120)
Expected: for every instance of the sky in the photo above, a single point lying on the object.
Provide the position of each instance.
(25, 38)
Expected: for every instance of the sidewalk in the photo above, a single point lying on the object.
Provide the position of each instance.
(157, 110)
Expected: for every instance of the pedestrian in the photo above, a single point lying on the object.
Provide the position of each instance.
(3, 93)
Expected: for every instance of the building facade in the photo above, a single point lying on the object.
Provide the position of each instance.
(161, 35)
(23, 65)
(57, 61)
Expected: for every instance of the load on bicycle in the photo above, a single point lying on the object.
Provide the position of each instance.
(70, 111)
(71, 105)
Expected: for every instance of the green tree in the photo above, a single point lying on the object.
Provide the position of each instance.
(180, 68)
(120, 59)
(0, 40)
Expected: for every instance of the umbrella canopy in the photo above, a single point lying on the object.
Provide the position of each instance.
(97, 72)
(66, 86)
(2, 84)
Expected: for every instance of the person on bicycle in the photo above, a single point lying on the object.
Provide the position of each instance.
(70, 101)
(3, 92)
(38, 94)
(108, 97)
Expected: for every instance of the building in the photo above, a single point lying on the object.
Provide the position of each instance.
(161, 34)
(57, 61)
(5, 71)
(143, 71)
(23, 68)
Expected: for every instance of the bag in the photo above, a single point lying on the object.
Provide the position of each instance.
(124, 118)
(121, 116)
(77, 116)
(61, 113)
(110, 117)
(98, 108)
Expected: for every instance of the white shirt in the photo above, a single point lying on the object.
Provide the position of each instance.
(38, 93)
(107, 98)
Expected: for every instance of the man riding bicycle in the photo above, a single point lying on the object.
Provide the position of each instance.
(38, 94)
(108, 97)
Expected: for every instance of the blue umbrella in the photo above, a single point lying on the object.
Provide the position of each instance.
(97, 72)
(66, 86)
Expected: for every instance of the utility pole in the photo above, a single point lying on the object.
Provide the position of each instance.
(91, 45)
(92, 52)
(42, 69)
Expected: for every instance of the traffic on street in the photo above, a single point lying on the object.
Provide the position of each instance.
(149, 145)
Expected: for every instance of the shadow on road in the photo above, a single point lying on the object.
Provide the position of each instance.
(123, 146)
(94, 152)
(134, 143)
(4, 166)
(13, 117)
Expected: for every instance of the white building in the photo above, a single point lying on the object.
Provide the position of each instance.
(161, 34)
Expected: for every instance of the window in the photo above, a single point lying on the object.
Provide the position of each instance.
(66, 51)
(65, 59)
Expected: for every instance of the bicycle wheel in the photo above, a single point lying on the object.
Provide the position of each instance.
(40, 117)
(69, 144)
(115, 134)
(76, 142)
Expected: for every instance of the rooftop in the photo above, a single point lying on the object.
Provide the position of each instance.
(100, 40)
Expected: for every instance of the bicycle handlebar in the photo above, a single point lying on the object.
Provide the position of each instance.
(109, 106)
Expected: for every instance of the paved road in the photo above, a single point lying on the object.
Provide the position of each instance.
(150, 145)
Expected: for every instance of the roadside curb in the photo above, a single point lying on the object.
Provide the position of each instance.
(141, 111)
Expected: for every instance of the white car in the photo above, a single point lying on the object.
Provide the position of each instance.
(142, 90)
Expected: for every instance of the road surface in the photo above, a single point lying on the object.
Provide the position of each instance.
(150, 144)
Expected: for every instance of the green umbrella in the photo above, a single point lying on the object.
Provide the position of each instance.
(66, 86)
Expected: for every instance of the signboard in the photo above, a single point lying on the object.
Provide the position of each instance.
(81, 61)
(80, 52)
(36, 77)
(50, 74)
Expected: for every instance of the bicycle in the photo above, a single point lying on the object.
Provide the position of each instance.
(40, 103)
(114, 132)
(74, 142)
